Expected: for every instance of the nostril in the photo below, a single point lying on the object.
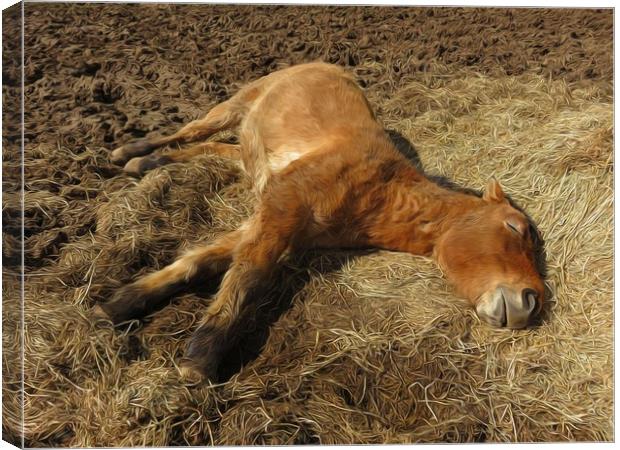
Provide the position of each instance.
(530, 299)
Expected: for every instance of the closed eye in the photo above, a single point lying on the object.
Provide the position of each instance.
(514, 228)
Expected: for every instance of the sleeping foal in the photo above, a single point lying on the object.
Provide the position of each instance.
(325, 174)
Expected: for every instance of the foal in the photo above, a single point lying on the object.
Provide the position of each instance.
(325, 174)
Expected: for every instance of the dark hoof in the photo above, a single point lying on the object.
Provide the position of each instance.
(127, 303)
(139, 166)
(205, 348)
(124, 153)
(98, 314)
(118, 156)
(192, 372)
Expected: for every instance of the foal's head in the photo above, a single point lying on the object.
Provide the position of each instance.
(488, 254)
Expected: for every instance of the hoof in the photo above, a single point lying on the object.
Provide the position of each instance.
(118, 156)
(189, 372)
(98, 314)
(124, 153)
(133, 167)
(127, 303)
(139, 166)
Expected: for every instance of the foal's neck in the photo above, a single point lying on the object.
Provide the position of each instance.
(414, 211)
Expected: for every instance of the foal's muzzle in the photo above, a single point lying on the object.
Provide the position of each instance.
(507, 307)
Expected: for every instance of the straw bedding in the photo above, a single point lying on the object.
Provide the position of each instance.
(348, 347)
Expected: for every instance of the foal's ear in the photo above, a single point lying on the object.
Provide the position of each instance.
(493, 192)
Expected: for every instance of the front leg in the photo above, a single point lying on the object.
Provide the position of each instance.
(220, 327)
(145, 295)
(253, 263)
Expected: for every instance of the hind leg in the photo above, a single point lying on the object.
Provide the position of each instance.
(222, 117)
(142, 297)
(140, 165)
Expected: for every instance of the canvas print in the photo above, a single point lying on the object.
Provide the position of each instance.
(292, 224)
